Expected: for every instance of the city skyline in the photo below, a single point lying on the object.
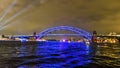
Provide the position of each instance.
(102, 16)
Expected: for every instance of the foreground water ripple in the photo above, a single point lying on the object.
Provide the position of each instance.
(59, 55)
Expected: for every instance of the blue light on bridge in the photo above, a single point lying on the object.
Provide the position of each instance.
(79, 32)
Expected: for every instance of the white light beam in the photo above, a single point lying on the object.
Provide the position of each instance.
(6, 11)
(14, 16)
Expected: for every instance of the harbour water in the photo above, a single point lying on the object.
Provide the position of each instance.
(59, 55)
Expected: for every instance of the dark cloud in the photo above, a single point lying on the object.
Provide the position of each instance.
(100, 15)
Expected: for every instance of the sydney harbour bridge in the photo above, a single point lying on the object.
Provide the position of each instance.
(49, 32)
(78, 31)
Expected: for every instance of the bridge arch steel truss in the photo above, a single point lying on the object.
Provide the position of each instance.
(79, 31)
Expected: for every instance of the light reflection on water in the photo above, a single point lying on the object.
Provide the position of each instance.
(52, 54)
(60, 55)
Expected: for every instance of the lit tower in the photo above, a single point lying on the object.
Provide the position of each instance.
(35, 35)
(94, 38)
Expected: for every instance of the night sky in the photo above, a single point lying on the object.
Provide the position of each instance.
(100, 15)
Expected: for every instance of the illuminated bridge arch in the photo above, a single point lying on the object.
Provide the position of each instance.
(81, 32)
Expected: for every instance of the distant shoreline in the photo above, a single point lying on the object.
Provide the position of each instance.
(18, 42)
